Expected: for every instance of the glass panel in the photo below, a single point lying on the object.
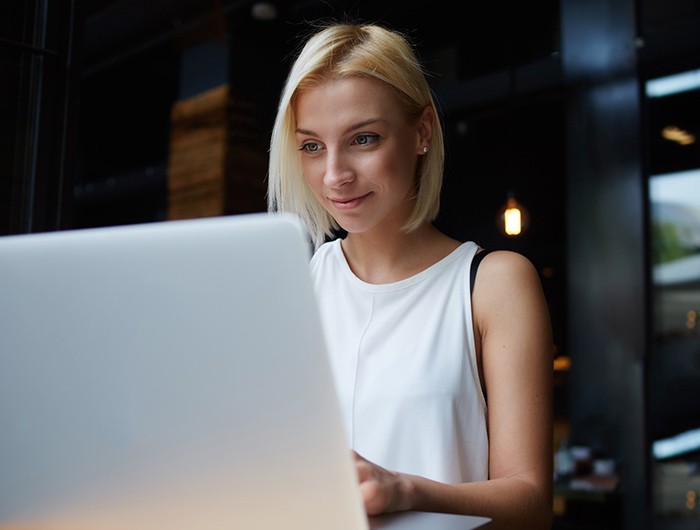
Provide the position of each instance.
(674, 357)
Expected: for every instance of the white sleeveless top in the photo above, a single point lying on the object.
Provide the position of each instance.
(403, 358)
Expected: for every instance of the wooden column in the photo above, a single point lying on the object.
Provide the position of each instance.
(198, 150)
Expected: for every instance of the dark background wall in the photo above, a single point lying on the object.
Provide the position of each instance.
(39, 41)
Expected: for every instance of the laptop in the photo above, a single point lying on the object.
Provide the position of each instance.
(172, 375)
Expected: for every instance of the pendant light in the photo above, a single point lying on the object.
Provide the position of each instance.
(513, 218)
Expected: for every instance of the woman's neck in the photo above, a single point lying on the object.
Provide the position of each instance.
(387, 258)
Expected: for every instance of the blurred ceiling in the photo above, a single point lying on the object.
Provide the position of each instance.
(489, 37)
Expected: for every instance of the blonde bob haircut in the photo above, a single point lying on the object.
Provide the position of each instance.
(337, 51)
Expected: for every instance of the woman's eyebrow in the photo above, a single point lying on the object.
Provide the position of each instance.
(351, 128)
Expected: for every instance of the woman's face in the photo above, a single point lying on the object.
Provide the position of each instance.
(359, 152)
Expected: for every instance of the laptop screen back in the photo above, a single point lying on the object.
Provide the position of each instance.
(168, 375)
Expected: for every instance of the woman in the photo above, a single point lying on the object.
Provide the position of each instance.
(446, 393)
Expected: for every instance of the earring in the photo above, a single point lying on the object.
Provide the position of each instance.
(425, 149)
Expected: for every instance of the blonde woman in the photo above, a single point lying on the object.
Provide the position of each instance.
(445, 383)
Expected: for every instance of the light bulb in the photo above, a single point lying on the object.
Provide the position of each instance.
(513, 218)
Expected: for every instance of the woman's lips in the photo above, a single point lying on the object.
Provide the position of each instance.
(348, 204)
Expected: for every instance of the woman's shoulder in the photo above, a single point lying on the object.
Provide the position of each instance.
(505, 272)
(505, 259)
(508, 293)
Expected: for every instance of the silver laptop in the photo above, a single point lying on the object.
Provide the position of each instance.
(172, 375)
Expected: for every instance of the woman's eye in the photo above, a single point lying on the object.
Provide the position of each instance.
(366, 139)
(310, 147)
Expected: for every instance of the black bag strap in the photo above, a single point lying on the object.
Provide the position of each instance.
(480, 254)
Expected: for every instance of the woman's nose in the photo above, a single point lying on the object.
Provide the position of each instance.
(338, 170)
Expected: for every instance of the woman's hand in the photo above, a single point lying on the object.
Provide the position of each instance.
(382, 491)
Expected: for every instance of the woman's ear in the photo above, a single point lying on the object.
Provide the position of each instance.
(426, 122)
